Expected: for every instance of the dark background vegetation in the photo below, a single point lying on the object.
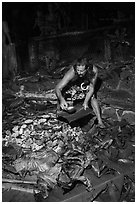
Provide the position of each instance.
(21, 15)
(95, 19)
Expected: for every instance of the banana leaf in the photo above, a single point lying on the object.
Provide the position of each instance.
(111, 186)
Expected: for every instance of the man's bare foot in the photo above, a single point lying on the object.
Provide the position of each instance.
(101, 125)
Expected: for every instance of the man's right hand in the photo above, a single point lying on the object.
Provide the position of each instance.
(63, 104)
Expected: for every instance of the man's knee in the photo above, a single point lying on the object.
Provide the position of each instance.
(93, 99)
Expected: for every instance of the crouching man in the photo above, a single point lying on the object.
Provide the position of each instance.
(79, 84)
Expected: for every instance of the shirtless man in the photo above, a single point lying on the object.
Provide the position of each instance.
(76, 75)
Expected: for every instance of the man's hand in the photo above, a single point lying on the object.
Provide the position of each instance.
(63, 104)
(85, 106)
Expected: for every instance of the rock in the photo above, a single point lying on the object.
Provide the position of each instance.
(113, 80)
(127, 82)
(129, 116)
(86, 128)
(110, 112)
(117, 94)
(111, 77)
(15, 128)
(28, 121)
(23, 126)
(124, 85)
(120, 99)
(119, 104)
(42, 120)
(125, 74)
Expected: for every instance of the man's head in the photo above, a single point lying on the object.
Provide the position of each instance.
(81, 67)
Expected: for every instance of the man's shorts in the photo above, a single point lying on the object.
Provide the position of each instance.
(76, 94)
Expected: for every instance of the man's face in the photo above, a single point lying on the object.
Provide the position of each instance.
(81, 70)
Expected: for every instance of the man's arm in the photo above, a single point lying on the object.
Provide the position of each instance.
(91, 88)
(95, 70)
(68, 77)
(88, 95)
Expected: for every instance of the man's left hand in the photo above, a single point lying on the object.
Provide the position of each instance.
(85, 106)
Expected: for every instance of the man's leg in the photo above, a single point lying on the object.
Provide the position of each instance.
(96, 110)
